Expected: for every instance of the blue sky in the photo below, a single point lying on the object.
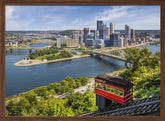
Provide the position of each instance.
(74, 17)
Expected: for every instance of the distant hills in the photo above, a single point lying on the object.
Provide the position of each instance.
(150, 32)
(153, 32)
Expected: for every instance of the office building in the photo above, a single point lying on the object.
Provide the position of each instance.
(132, 34)
(127, 32)
(112, 28)
(114, 39)
(90, 35)
(80, 35)
(72, 43)
(99, 24)
(100, 28)
(89, 42)
(99, 43)
(106, 32)
(75, 35)
(95, 33)
(86, 32)
(107, 43)
(125, 42)
(61, 40)
(120, 42)
(103, 30)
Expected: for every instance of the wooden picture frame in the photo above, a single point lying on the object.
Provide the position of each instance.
(3, 3)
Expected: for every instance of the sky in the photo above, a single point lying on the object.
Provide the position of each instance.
(62, 17)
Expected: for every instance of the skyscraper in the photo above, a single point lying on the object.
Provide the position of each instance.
(112, 28)
(99, 43)
(94, 33)
(103, 30)
(61, 40)
(89, 42)
(86, 32)
(99, 24)
(72, 42)
(132, 34)
(127, 32)
(125, 42)
(80, 34)
(106, 32)
(114, 37)
(100, 27)
(120, 42)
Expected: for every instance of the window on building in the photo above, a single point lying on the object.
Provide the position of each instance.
(104, 87)
(96, 83)
(112, 90)
(100, 86)
(108, 88)
(120, 92)
(116, 91)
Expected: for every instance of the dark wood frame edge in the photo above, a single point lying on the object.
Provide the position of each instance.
(78, 2)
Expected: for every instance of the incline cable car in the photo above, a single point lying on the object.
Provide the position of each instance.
(113, 88)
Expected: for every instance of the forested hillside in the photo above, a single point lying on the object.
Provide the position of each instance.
(144, 73)
(41, 101)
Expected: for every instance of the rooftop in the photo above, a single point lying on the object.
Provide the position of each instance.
(116, 81)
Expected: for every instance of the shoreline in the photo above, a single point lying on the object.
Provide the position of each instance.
(36, 62)
(113, 73)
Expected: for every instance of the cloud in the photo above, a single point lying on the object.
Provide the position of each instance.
(114, 13)
(106, 15)
(57, 19)
(13, 21)
(74, 17)
(9, 12)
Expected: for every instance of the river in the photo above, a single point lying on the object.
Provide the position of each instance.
(21, 79)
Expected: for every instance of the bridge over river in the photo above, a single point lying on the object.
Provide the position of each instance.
(112, 54)
(27, 48)
(98, 54)
(117, 53)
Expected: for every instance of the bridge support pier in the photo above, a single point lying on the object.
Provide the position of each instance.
(126, 64)
(102, 102)
(11, 50)
(115, 52)
(98, 56)
(30, 50)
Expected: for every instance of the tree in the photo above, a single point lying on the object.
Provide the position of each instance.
(41, 91)
(69, 78)
(90, 101)
(23, 105)
(78, 82)
(31, 96)
(138, 57)
(76, 101)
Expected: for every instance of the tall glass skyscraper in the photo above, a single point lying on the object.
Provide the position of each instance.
(112, 28)
(127, 32)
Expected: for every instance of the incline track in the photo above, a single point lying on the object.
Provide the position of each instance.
(144, 107)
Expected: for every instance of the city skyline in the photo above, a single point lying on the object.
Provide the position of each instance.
(74, 17)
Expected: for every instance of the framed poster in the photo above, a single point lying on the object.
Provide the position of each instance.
(82, 60)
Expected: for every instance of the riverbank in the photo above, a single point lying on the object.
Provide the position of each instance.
(116, 73)
(145, 44)
(81, 89)
(36, 62)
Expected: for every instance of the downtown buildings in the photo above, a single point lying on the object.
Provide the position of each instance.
(105, 36)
